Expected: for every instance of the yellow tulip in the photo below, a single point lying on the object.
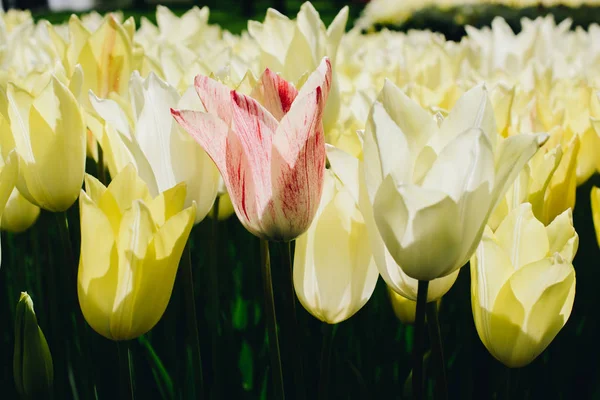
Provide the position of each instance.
(131, 245)
(523, 284)
(47, 131)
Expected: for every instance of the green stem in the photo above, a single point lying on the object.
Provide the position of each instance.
(271, 318)
(417, 373)
(192, 322)
(437, 351)
(100, 166)
(213, 276)
(125, 370)
(78, 325)
(328, 333)
(294, 348)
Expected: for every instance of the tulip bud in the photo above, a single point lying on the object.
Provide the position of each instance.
(523, 284)
(32, 362)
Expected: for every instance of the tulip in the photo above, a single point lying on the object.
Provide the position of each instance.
(131, 245)
(32, 361)
(163, 153)
(404, 308)
(349, 170)
(523, 284)
(334, 271)
(434, 187)
(47, 132)
(269, 148)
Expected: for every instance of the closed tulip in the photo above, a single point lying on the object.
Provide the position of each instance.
(523, 284)
(131, 245)
(47, 132)
(433, 185)
(32, 362)
(269, 148)
(334, 270)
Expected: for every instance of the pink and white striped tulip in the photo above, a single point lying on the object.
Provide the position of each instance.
(269, 148)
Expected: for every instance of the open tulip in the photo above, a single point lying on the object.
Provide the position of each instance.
(523, 284)
(47, 132)
(269, 148)
(131, 245)
(433, 186)
(334, 270)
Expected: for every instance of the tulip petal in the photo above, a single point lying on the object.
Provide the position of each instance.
(420, 228)
(521, 223)
(155, 129)
(297, 167)
(397, 130)
(562, 236)
(319, 78)
(214, 96)
(274, 93)
(511, 155)
(472, 110)
(208, 131)
(98, 267)
(490, 269)
(346, 168)
(464, 165)
(136, 231)
(156, 277)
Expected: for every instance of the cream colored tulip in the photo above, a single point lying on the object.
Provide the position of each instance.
(334, 271)
(433, 187)
(523, 284)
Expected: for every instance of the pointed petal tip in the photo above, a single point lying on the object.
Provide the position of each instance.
(542, 138)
